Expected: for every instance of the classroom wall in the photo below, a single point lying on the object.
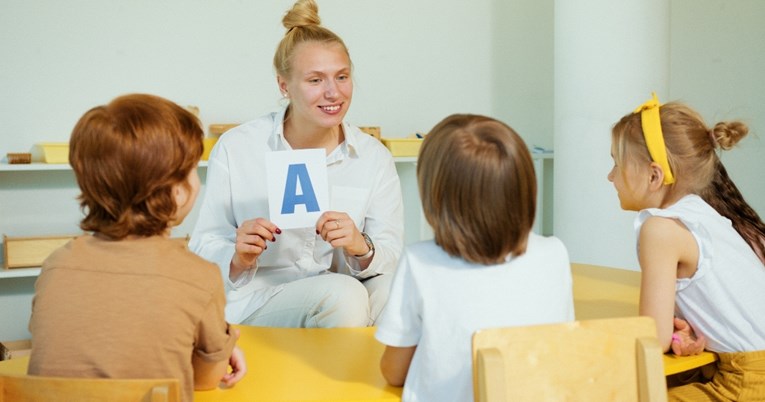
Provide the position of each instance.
(716, 61)
(411, 60)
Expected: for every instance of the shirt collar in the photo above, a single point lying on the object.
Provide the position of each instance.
(347, 149)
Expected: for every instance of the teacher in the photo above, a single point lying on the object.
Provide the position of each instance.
(338, 273)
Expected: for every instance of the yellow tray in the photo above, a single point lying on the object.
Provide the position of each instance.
(51, 152)
(403, 146)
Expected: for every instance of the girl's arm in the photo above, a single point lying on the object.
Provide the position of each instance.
(395, 364)
(664, 247)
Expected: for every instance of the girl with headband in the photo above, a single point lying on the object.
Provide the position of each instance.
(701, 247)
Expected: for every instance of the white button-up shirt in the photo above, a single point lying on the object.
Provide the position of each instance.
(363, 183)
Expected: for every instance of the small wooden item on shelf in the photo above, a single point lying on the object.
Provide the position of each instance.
(51, 152)
(28, 252)
(403, 146)
(373, 131)
(217, 129)
(19, 158)
(15, 349)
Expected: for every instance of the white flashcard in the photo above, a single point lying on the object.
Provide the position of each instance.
(298, 190)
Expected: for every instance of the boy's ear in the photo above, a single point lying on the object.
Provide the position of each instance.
(180, 194)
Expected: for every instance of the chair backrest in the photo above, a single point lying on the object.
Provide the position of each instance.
(23, 388)
(615, 359)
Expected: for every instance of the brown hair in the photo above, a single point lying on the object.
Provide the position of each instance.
(691, 150)
(127, 156)
(303, 25)
(478, 188)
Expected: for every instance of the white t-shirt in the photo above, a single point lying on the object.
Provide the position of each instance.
(725, 299)
(437, 302)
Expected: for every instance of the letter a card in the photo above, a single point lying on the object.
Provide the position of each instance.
(298, 190)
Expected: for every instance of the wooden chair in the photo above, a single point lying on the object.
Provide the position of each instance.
(23, 388)
(615, 359)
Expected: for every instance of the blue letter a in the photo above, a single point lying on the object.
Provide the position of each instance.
(295, 174)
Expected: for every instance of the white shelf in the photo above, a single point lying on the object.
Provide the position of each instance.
(35, 167)
(19, 272)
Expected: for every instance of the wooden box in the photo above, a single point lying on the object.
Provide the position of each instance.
(28, 252)
(373, 131)
(15, 349)
(403, 146)
(209, 143)
(51, 152)
(217, 129)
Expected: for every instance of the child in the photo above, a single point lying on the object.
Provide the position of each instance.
(700, 245)
(126, 301)
(484, 269)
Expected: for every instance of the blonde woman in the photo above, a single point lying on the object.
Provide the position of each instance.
(336, 274)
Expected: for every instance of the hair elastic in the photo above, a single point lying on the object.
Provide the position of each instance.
(654, 138)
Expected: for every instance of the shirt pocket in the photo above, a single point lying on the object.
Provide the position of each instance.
(353, 201)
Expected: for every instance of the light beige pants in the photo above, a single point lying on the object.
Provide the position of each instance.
(325, 301)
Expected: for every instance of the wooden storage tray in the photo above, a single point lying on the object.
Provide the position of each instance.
(15, 349)
(51, 152)
(27, 252)
(403, 146)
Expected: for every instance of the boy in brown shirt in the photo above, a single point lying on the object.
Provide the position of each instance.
(126, 301)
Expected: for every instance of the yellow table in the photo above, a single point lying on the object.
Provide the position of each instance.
(292, 364)
(602, 292)
(342, 364)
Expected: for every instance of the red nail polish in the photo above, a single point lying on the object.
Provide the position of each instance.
(278, 231)
(317, 232)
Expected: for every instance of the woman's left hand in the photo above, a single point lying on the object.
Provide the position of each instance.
(339, 230)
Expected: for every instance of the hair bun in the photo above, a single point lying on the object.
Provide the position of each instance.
(728, 133)
(303, 13)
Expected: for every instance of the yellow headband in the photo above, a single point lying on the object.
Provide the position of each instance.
(654, 138)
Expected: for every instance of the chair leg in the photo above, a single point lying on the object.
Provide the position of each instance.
(160, 393)
(652, 384)
(491, 376)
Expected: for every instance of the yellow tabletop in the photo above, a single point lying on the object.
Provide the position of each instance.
(297, 364)
(342, 364)
(602, 292)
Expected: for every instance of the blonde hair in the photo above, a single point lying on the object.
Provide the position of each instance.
(692, 153)
(478, 188)
(303, 25)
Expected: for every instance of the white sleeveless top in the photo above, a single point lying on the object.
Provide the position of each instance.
(725, 298)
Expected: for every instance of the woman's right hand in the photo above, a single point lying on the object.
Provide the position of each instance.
(251, 241)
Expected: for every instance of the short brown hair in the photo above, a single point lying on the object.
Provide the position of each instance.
(478, 188)
(127, 156)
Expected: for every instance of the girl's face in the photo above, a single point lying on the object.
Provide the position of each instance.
(631, 183)
(319, 86)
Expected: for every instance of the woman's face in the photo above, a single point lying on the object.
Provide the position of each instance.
(319, 86)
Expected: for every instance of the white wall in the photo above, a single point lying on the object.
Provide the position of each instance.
(414, 62)
(716, 61)
(718, 65)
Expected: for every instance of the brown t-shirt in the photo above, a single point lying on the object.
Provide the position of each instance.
(136, 308)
